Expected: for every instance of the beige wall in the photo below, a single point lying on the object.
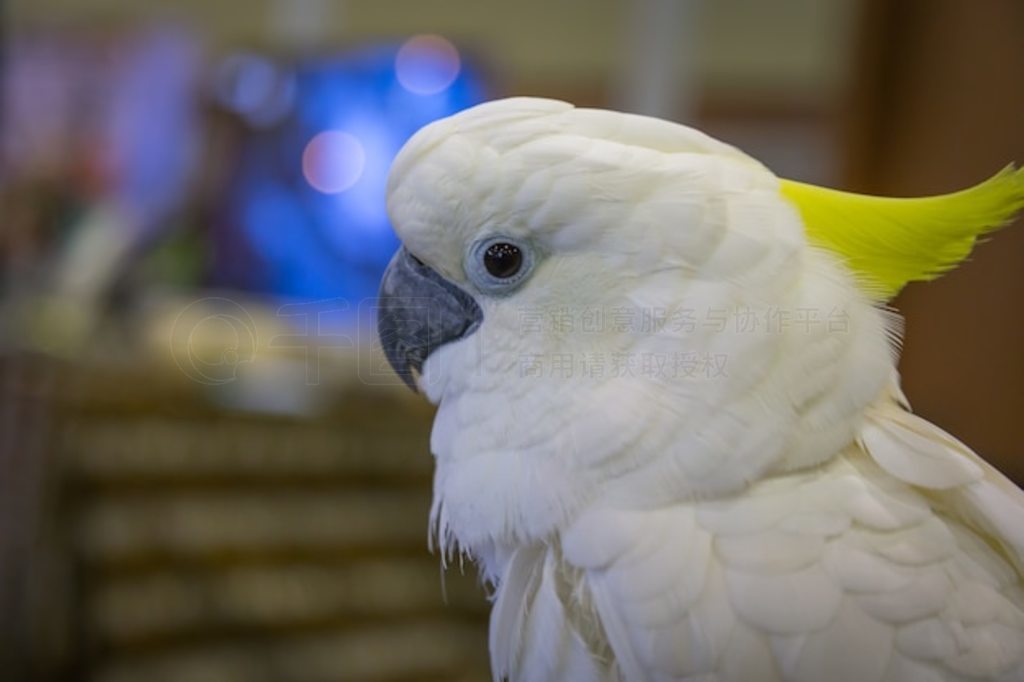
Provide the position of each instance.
(782, 49)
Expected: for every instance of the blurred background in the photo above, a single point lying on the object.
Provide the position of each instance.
(207, 472)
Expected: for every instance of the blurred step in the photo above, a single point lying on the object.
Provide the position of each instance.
(423, 650)
(191, 605)
(189, 524)
(218, 547)
(168, 450)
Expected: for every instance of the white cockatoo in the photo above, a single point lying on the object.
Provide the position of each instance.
(670, 427)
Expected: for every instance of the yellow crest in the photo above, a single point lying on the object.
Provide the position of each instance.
(890, 242)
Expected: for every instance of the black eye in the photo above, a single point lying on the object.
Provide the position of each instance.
(499, 264)
(503, 260)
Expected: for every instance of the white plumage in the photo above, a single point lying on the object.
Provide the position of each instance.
(787, 518)
(844, 573)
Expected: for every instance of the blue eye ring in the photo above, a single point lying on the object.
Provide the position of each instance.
(499, 264)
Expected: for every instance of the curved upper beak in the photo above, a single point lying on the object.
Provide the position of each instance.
(420, 311)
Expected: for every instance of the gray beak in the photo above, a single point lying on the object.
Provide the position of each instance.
(420, 311)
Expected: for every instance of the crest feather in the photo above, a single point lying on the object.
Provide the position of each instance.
(889, 242)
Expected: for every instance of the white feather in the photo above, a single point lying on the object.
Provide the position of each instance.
(991, 649)
(770, 551)
(748, 656)
(999, 512)
(787, 603)
(917, 452)
(927, 639)
(839, 651)
(925, 597)
(921, 544)
(902, 669)
(874, 502)
(858, 570)
(508, 616)
(785, 519)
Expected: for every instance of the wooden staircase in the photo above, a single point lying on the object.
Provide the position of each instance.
(190, 544)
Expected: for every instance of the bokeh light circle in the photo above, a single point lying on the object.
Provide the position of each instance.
(260, 90)
(333, 161)
(427, 64)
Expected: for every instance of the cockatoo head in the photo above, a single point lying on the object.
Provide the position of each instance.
(602, 303)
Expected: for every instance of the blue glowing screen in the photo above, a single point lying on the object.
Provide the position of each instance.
(305, 210)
